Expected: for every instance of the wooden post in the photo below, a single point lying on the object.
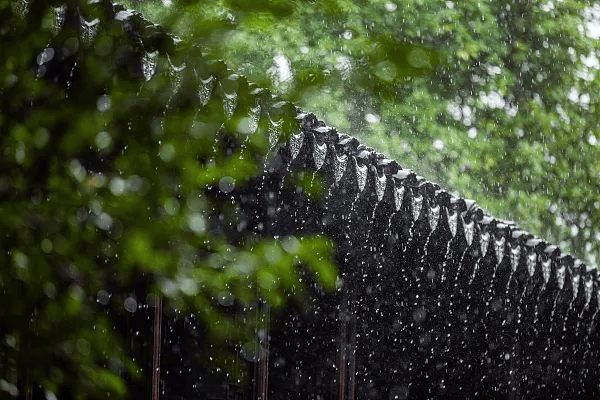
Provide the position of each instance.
(263, 366)
(347, 347)
(156, 349)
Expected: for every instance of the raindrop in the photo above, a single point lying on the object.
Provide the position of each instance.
(149, 64)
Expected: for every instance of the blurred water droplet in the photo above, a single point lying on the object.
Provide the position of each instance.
(291, 244)
(225, 298)
(167, 152)
(103, 140)
(104, 103)
(45, 56)
(172, 206)
(226, 184)
(103, 297)
(251, 350)
(197, 223)
(130, 304)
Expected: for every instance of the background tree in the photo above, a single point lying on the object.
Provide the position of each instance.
(502, 107)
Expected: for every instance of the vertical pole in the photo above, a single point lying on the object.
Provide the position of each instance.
(347, 347)
(263, 384)
(156, 349)
(343, 344)
(352, 356)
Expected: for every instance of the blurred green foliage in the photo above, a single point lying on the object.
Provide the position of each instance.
(493, 99)
(118, 186)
